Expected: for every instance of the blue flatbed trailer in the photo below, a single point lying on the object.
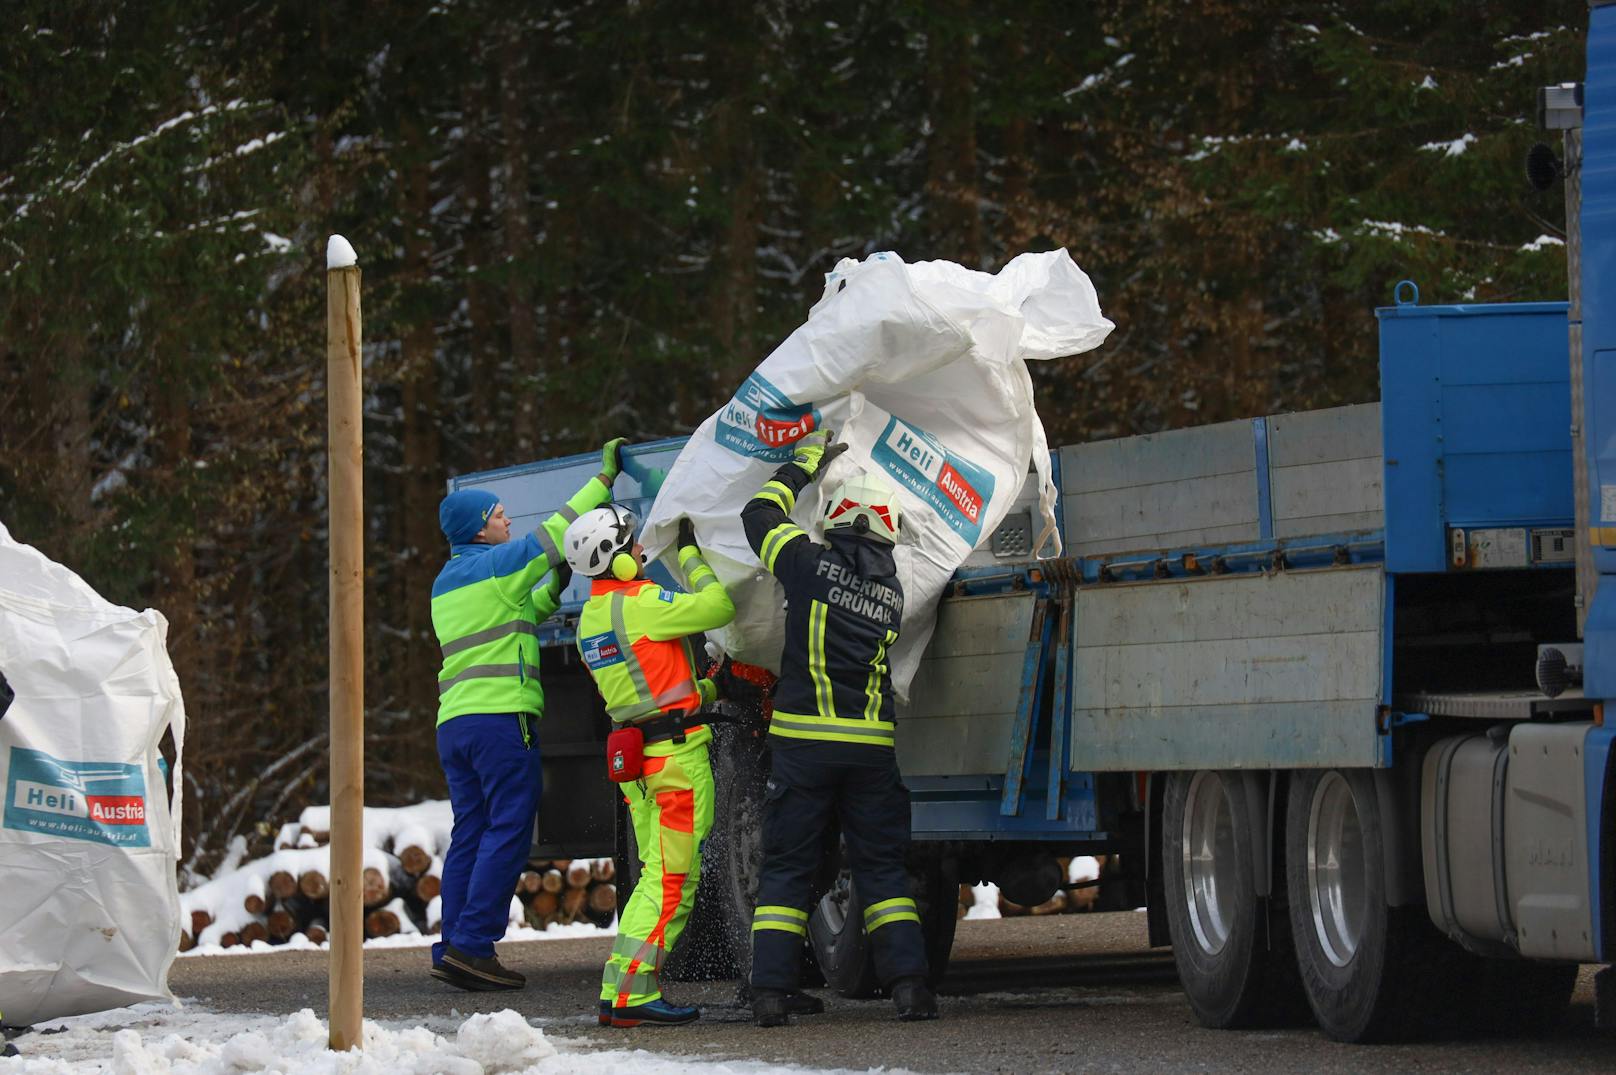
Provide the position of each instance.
(1330, 685)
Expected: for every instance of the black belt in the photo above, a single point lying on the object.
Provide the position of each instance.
(674, 725)
(668, 726)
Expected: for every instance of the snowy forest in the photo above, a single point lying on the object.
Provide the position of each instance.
(592, 218)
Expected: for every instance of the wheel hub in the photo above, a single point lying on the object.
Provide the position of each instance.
(1336, 870)
(1207, 846)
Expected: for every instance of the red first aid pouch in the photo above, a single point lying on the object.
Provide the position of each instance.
(625, 755)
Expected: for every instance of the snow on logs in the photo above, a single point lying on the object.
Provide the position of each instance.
(283, 895)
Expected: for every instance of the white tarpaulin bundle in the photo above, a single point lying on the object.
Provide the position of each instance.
(921, 370)
(89, 903)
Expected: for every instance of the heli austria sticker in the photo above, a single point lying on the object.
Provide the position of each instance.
(601, 651)
(957, 489)
(104, 802)
(763, 422)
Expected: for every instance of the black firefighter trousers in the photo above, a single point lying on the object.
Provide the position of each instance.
(809, 783)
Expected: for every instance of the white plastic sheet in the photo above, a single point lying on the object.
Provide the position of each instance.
(921, 370)
(89, 902)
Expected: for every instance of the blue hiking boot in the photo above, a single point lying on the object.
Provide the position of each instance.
(653, 1013)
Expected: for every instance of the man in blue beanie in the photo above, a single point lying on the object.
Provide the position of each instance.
(487, 605)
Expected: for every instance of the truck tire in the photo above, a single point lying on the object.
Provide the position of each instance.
(734, 855)
(839, 943)
(841, 947)
(1232, 948)
(1370, 972)
(732, 859)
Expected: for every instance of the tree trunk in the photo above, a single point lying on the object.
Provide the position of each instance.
(522, 424)
(951, 184)
(422, 479)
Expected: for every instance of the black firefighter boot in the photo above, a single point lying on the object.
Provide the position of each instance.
(769, 1007)
(914, 999)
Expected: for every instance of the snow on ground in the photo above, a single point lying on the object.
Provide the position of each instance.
(152, 1039)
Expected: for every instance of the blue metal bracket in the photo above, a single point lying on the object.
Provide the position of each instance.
(1032, 689)
(1059, 735)
(1395, 719)
(1265, 497)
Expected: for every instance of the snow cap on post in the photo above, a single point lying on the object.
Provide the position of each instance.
(339, 253)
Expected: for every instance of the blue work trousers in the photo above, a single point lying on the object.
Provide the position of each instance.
(491, 761)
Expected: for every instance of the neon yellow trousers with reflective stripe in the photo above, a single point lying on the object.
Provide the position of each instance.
(672, 811)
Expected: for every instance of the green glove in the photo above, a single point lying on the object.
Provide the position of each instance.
(815, 451)
(611, 458)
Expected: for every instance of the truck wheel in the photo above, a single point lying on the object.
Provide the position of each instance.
(839, 943)
(1234, 957)
(734, 854)
(842, 949)
(1370, 972)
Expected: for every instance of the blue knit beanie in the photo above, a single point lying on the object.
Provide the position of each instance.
(464, 512)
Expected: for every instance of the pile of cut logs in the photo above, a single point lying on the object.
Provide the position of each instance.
(286, 893)
(568, 890)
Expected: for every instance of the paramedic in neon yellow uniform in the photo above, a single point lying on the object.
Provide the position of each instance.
(487, 604)
(633, 635)
(831, 734)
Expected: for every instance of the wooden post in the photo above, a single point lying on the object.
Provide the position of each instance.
(345, 462)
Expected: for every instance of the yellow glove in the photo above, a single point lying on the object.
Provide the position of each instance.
(814, 452)
(611, 458)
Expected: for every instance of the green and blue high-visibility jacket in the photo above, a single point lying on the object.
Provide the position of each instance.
(486, 609)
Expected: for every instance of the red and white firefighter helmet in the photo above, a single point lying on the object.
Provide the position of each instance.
(866, 503)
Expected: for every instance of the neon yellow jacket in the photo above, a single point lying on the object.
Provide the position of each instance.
(634, 636)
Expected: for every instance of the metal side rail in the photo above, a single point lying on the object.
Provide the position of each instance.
(1496, 705)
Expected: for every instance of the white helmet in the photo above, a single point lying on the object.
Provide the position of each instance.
(596, 536)
(867, 504)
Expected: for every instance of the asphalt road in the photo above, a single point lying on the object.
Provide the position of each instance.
(1067, 993)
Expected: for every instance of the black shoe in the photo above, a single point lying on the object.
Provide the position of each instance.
(800, 1003)
(477, 973)
(914, 999)
(769, 1007)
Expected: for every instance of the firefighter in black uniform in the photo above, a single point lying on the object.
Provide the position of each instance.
(831, 734)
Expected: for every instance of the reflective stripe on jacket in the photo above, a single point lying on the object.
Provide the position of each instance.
(633, 636)
(844, 609)
(487, 605)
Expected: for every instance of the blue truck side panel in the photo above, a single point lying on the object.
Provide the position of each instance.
(1475, 423)
(1598, 307)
